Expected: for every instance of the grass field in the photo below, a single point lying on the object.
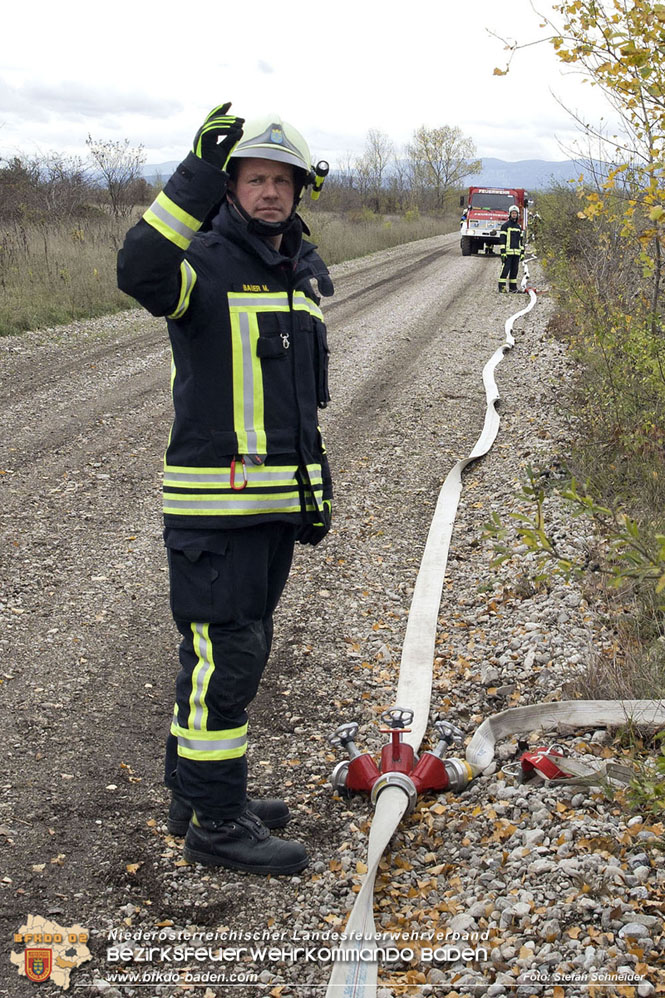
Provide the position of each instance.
(54, 273)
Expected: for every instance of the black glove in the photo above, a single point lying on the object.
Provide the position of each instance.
(312, 533)
(218, 136)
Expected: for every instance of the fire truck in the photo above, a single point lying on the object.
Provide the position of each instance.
(486, 211)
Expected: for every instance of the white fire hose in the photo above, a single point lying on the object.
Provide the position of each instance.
(355, 971)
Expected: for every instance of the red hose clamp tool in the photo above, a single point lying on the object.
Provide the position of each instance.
(542, 762)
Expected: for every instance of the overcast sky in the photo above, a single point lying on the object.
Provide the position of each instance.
(150, 72)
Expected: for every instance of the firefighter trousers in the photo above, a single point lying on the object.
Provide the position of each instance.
(222, 602)
(511, 265)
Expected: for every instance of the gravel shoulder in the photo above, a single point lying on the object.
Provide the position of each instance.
(553, 881)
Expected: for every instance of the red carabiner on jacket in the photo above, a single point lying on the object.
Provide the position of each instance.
(238, 488)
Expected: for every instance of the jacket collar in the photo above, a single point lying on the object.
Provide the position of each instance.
(230, 224)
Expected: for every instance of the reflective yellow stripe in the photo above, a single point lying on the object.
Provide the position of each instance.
(315, 479)
(171, 221)
(235, 504)
(206, 491)
(247, 378)
(208, 746)
(248, 404)
(197, 741)
(302, 302)
(270, 489)
(187, 282)
(273, 301)
(315, 474)
(257, 475)
(506, 239)
(173, 373)
(198, 710)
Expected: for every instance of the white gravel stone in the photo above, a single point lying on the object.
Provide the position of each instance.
(634, 929)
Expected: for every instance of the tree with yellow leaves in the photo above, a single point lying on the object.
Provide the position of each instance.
(603, 251)
(620, 44)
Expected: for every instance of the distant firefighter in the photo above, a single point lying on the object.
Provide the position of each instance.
(511, 241)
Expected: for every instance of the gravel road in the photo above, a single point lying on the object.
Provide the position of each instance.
(564, 883)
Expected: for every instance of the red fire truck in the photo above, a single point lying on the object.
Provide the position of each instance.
(486, 211)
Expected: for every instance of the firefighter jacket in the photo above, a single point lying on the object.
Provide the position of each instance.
(249, 357)
(511, 239)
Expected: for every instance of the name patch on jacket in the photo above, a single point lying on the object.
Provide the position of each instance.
(256, 288)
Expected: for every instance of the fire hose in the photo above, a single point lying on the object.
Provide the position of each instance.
(395, 783)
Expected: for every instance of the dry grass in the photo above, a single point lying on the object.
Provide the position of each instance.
(53, 273)
(631, 675)
(342, 237)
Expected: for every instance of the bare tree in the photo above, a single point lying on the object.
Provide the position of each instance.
(440, 159)
(41, 188)
(372, 166)
(119, 164)
(65, 185)
(400, 185)
(346, 171)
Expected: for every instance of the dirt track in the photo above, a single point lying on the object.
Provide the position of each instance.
(89, 649)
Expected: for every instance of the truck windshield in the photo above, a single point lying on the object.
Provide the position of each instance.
(490, 202)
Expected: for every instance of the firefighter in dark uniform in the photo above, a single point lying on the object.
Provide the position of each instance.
(221, 254)
(511, 243)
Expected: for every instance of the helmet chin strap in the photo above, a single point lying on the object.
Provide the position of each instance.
(256, 225)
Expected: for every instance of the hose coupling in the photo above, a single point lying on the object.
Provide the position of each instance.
(459, 773)
(395, 779)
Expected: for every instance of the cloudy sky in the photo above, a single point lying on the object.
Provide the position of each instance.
(150, 72)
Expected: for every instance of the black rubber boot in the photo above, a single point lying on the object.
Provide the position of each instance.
(272, 812)
(243, 843)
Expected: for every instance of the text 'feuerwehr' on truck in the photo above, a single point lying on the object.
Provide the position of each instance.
(485, 212)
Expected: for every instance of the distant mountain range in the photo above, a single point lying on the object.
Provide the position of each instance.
(159, 171)
(532, 174)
